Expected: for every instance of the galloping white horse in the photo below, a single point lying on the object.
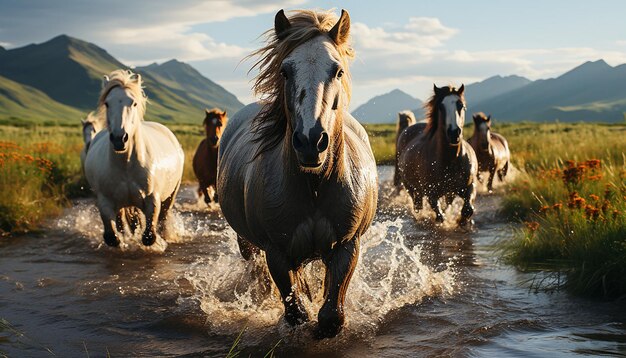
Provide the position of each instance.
(133, 163)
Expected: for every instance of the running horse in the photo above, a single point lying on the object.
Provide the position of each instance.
(438, 162)
(205, 159)
(297, 177)
(406, 121)
(492, 150)
(133, 164)
(91, 126)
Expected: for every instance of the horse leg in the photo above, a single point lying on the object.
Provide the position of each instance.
(502, 172)
(152, 209)
(108, 216)
(340, 264)
(468, 195)
(416, 197)
(246, 248)
(285, 280)
(396, 175)
(492, 173)
(215, 194)
(120, 221)
(433, 200)
(165, 226)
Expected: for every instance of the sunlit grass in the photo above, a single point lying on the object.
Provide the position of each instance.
(574, 210)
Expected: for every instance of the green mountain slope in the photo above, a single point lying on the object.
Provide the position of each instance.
(19, 102)
(69, 71)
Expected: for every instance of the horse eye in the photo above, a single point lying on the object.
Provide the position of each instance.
(459, 105)
(339, 73)
(134, 104)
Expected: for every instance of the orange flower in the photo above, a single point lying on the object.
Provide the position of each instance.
(532, 226)
(594, 197)
(593, 163)
(557, 206)
(544, 208)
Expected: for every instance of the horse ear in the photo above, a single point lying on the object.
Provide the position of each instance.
(281, 24)
(224, 114)
(341, 31)
(436, 89)
(105, 81)
(461, 89)
(206, 111)
(489, 118)
(137, 78)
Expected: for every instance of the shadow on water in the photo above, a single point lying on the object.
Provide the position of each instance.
(418, 291)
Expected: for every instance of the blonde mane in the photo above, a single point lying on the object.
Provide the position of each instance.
(271, 124)
(127, 80)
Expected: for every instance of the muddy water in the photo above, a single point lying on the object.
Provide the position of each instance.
(418, 291)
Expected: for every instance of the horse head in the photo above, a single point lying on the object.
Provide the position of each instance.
(124, 103)
(450, 107)
(214, 123)
(482, 128)
(314, 76)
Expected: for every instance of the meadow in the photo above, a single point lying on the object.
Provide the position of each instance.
(570, 196)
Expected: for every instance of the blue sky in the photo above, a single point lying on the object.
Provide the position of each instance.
(399, 44)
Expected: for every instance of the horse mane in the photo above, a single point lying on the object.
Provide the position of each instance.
(214, 113)
(127, 80)
(431, 107)
(271, 125)
(94, 118)
(482, 117)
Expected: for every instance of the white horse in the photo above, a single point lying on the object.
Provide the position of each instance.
(133, 163)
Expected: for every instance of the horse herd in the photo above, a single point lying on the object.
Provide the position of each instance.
(294, 173)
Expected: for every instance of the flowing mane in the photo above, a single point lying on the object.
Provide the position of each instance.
(432, 107)
(127, 80)
(271, 125)
(94, 118)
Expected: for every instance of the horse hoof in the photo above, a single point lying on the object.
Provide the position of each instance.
(148, 238)
(111, 240)
(439, 219)
(329, 325)
(296, 315)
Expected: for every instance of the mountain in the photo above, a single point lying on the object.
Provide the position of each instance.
(593, 91)
(69, 71)
(385, 108)
(493, 86)
(22, 102)
(186, 82)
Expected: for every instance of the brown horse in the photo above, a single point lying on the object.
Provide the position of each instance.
(492, 150)
(205, 159)
(406, 119)
(297, 177)
(438, 162)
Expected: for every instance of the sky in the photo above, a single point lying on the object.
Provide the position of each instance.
(407, 45)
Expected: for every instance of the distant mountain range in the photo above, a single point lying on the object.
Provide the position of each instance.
(385, 108)
(593, 91)
(60, 80)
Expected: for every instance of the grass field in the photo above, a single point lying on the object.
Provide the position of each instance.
(571, 198)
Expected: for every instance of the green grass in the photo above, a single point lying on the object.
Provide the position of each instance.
(571, 197)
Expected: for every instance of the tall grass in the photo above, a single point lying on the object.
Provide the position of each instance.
(571, 197)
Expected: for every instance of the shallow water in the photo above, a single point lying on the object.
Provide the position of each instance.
(417, 291)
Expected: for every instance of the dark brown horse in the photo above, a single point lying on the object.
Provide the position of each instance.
(406, 119)
(297, 177)
(205, 159)
(492, 150)
(438, 162)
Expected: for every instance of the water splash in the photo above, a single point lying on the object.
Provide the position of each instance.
(390, 274)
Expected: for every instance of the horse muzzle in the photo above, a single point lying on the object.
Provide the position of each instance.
(311, 150)
(454, 136)
(119, 141)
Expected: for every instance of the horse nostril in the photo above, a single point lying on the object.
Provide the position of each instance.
(299, 141)
(125, 137)
(322, 143)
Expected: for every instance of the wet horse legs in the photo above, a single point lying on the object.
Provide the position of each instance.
(152, 209)
(340, 264)
(468, 195)
(287, 283)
